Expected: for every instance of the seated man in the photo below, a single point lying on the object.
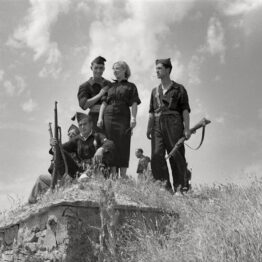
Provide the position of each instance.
(43, 182)
(86, 146)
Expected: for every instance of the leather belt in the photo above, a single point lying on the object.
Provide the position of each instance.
(168, 112)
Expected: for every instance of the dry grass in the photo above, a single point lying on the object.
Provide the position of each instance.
(218, 223)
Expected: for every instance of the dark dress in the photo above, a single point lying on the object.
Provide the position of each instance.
(88, 90)
(120, 96)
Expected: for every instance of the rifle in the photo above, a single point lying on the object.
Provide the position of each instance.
(202, 123)
(60, 164)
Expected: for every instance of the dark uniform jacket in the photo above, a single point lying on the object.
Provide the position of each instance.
(85, 148)
(175, 99)
(90, 89)
(80, 150)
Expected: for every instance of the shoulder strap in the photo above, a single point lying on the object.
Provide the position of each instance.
(159, 101)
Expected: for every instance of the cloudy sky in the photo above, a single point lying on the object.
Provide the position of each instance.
(45, 52)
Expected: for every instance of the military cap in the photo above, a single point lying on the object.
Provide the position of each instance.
(99, 60)
(73, 127)
(80, 116)
(166, 62)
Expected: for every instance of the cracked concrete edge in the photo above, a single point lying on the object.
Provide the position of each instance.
(84, 204)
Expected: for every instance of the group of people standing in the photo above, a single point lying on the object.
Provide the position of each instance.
(110, 105)
(112, 116)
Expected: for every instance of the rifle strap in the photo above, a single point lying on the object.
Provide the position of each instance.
(202, 139)
(158, 96)
(62, 151)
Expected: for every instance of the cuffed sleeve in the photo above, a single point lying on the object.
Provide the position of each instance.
(184, 104)
(134, 98)
(151, 105)
(83, 95)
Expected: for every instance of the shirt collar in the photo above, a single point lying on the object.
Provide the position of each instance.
(85, 138)
(173, 85)
(122, 81)
(92, 81)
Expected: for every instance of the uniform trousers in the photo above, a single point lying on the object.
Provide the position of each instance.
(167, 130)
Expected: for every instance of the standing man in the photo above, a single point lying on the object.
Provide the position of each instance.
(143, 162)
(168, 121)
(90, 93)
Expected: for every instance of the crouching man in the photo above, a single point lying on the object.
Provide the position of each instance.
(86, 147)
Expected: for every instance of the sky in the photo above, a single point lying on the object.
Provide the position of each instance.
(45, 52)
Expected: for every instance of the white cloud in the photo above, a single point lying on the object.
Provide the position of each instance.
(83, 7)
(239, 7)
(215, 39)
(36, 29)
(136, 33)
(140, 22)
(248, 13)
(20, 84)
(194, 69)
(9, 88)
(16, 88)
(2, 75)
(29, 106)
(260, 113)
(199, 109)
(220, 120)
(254, 169)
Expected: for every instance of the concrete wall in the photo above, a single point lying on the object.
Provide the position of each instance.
(66, 231)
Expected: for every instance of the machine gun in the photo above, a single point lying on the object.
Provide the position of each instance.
(60, 167)
(201, 124)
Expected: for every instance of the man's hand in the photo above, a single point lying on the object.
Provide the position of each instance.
(187, 133)
(53, 142)
(150, 127)
(103, 91)
(133, 122)
(149, 134)
(100, 123)
(99, 155)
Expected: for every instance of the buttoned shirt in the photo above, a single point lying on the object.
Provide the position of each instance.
(122, 91)
(174, 99)
(85, 147)
(90, 89)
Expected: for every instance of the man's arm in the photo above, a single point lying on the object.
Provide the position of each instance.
(70, 146)
(85, 101)
(106, 146)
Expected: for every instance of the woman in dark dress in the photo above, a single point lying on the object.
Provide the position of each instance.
(115, 114)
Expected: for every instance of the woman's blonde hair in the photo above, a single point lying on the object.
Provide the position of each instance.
(125, 66)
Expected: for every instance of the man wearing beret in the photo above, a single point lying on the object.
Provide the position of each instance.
(168, 121)
(90, 93)
(86, 147)
(43, 182)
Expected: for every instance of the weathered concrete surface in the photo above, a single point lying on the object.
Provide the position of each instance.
(64, 231)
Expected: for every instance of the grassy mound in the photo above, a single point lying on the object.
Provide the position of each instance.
(218, 223)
